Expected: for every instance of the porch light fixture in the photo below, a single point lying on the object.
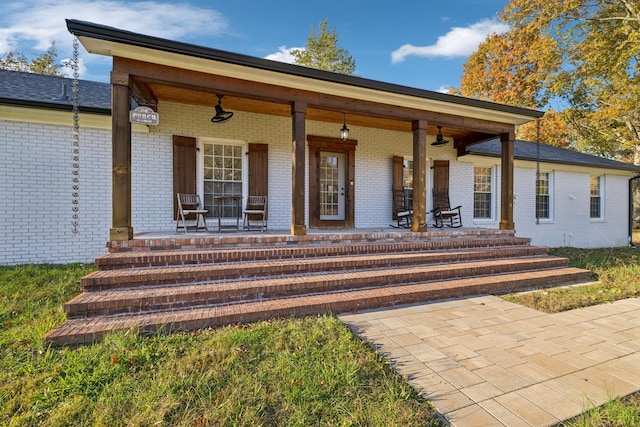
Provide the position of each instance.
(439, 138)
(221, 115)
(344, 132)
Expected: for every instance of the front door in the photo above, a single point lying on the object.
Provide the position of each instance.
(331, 182)
(332, 186)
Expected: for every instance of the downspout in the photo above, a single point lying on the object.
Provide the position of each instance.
(630, 230)
(537, 168)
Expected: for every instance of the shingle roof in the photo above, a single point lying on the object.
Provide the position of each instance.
(37, 90)
(524, 150)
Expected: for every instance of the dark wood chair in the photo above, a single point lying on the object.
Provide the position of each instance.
(402, 212)
(190, 204)
(443, 213)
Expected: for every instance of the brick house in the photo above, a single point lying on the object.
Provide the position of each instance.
(283, 141)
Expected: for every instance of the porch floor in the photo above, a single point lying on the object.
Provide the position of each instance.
(150, 240)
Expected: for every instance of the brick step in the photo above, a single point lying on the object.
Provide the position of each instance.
(161, 276)
(77, 331)
(240, 240)
(184, 256)
(118, 301)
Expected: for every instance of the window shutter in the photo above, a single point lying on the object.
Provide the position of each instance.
(398, 165)
(259, 170)
(440, 176)
(184, 168)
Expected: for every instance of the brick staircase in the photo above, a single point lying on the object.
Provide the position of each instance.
(166, 285)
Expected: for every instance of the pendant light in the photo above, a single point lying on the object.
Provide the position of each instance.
(439, 138)
(221, 115)
(344, 132)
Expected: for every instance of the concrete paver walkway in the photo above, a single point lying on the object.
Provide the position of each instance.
(483, 361)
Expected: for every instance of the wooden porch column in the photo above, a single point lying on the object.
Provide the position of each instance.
(298, 117)
(506, 201)
(419, 175)
(121, 158)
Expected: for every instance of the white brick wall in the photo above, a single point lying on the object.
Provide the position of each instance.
(570, 224)
(35, 213)
(35, 168)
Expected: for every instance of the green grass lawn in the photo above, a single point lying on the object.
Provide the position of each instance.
(293, 372)
(616, 273)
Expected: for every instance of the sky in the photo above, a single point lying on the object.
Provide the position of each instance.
(416, 43)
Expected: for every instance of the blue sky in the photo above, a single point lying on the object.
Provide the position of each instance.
(417, 43)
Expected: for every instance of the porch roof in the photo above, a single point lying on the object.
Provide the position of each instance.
(531, 151)
(327, 94)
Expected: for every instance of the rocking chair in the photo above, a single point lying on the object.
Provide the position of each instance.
(403, 213)
(443, 213)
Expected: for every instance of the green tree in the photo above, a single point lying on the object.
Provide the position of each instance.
(583, 52)
(43, 64)
(322, 52)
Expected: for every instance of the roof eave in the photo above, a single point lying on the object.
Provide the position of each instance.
(52, 106)
(622, 166)
(113, 39)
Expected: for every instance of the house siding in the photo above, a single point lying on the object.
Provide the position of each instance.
(35, 216)
(570, 224)
(35, 213)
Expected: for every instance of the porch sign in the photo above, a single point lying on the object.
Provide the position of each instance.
(144, 116)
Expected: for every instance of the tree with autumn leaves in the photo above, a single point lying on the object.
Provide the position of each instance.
(42, 64)
(581, 54)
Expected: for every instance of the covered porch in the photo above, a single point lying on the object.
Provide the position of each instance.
(155, 71)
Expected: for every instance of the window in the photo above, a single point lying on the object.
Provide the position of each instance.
(595, 206)
(222, 177)
(407, 181)
(482, 192)
(543, 196)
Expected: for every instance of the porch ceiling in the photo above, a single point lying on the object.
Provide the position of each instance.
(208, 98)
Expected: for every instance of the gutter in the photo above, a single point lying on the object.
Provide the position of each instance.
(11, 102)
(110, 34)
(559, 162)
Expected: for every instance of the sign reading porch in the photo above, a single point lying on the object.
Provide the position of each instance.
(144, 116)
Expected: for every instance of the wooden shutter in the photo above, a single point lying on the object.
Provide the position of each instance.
(184, 168)
(440, 176)
(259, 170)
(398, 166)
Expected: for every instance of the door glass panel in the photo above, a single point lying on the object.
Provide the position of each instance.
(332, 192)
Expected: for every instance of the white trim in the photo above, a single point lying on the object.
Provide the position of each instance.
(550, 183)
(492, 195)
(601, 191)
(200, 163)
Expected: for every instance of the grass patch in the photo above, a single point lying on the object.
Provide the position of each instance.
(294, 372)
(622, 412)
(616, 270)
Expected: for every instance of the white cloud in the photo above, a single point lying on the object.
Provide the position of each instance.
(34, 24)
(68, 71)
(283, 54)
(459, 41)
(444, 89)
